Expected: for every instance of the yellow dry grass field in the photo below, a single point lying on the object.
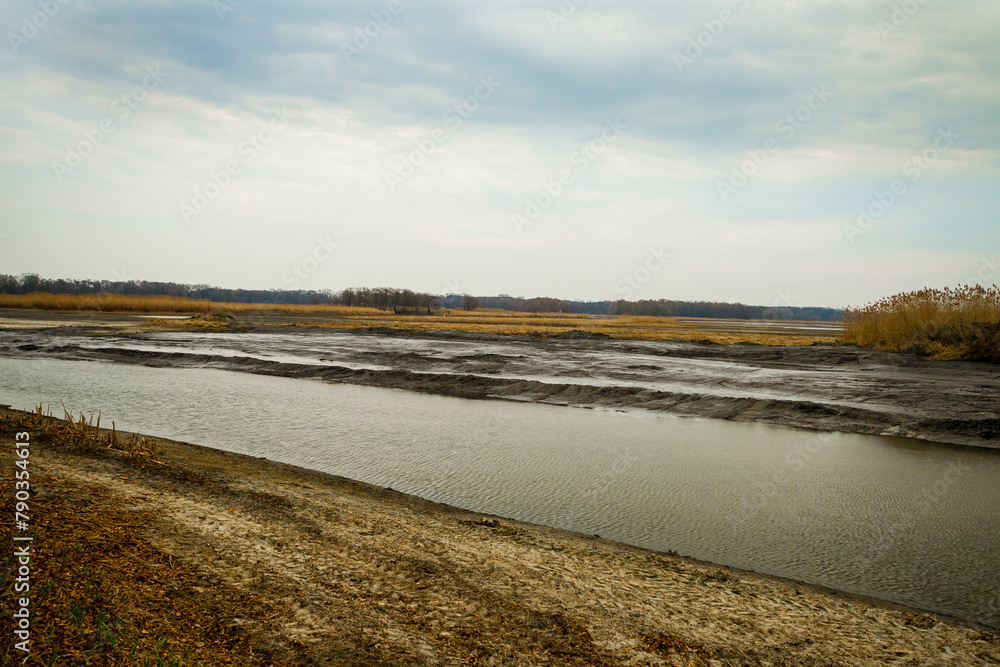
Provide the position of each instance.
(126, 303)
(213, 315)
(547, 324)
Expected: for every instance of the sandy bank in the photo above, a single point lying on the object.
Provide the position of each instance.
(279, 565)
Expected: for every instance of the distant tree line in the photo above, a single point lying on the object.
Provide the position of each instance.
(385, 298)
(657, 307)
(405, 301)
(30, 282)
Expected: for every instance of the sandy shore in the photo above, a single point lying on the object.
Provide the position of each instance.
(238, 560)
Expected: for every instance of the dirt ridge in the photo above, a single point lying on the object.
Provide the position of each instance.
(981, 429)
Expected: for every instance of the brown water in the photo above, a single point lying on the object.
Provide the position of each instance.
(902, 520)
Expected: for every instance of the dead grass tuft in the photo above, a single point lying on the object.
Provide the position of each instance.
(85, 434)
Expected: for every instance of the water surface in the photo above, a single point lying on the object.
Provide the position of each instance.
(903, 520)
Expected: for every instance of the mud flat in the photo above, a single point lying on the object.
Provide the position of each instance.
(820, 387)
(237, 560)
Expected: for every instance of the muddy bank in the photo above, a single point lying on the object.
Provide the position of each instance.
(298, 567)
(821, 387)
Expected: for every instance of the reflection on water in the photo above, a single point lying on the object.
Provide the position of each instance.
(898, 519)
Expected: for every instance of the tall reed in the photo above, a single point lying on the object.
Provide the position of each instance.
(959, 323)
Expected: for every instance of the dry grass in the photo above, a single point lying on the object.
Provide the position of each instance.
(160, 304)
(543, 324)
(100, 593)
(961, 323)
(219, 316)
(624, 327)
(84, 434)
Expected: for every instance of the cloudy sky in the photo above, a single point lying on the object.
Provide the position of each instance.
(808, 153)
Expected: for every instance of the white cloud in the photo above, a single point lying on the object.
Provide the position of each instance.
(656, 184)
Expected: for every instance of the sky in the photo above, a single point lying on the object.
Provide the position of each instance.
(775, 153)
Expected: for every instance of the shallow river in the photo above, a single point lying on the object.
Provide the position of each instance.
(897, 519)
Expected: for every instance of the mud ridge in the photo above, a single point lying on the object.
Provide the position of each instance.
(892, 413)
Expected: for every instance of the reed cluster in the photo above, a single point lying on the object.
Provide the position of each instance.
(959, 323)
(85, 434)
